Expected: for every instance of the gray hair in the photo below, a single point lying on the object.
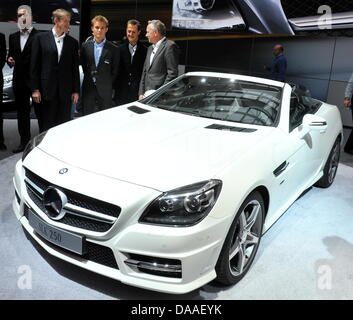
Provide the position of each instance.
(159, 26)
(25, 7)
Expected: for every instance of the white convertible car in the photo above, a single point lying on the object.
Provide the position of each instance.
(176, 190)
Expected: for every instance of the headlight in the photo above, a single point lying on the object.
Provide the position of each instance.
(33, 143)
(196, 5)
(8, 81)
(185, 206)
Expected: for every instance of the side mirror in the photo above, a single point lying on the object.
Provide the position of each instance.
(149, 92)
(310, 123)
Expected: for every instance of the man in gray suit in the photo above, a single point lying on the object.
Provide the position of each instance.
(161, 64)
(100, 63)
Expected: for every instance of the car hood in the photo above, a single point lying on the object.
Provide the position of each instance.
(159, 149)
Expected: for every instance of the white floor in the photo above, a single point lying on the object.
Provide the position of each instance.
(307, 254)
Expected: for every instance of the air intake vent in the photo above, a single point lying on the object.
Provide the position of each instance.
(230, 128)
(138, 110)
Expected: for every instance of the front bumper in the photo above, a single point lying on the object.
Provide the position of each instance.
(197, 247)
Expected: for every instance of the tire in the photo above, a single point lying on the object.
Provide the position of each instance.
(331, 166)
(241, 242)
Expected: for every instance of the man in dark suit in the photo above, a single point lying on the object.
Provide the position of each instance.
(19, 57)
(2, 63)
(278, 68)
(100, 64)
(161, 65)
(55, 78)
(132, 58)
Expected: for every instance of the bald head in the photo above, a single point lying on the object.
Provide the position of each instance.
(278, 49)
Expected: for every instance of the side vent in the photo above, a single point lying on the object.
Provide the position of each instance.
(230, 128)
(281, 169)
(138, 110)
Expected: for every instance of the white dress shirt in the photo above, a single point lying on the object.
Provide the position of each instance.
(24, 35)
(59, 41)
(155, 49)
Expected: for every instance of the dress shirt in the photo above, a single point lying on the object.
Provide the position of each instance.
(59, 41)
(98, 47)
(155, 49)
(132, 50)
(24, 35)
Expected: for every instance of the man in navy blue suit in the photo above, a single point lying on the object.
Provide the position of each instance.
(278, 68)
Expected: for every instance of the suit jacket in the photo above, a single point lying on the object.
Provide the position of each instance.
(21, 71)
(279, 68)
(2, 62)
(163, 69)
(50, 76)
(105, 72)
(128, 81)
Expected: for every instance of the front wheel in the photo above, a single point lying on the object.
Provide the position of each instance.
(242, 241)
(331, 166)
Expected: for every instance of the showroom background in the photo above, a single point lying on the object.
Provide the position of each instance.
(321, 61)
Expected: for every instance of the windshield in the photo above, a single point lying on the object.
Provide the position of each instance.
(220, 98)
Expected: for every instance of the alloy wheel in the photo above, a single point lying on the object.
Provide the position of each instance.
(246, 237)
(335, 156)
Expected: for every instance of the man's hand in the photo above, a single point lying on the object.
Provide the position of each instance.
(347, 102)
(11, 61)
(36, 96)
(141, 96)
(75, 97)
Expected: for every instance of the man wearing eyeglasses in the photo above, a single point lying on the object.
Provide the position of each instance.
(19, 57)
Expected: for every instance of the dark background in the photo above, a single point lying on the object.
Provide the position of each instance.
(41, 9)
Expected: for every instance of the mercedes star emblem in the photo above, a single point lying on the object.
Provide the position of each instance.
(54, 201)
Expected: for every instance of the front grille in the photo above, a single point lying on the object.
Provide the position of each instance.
(71, 220)
(300, 8)
(75, 218)
(95, 252)
(78, 199)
